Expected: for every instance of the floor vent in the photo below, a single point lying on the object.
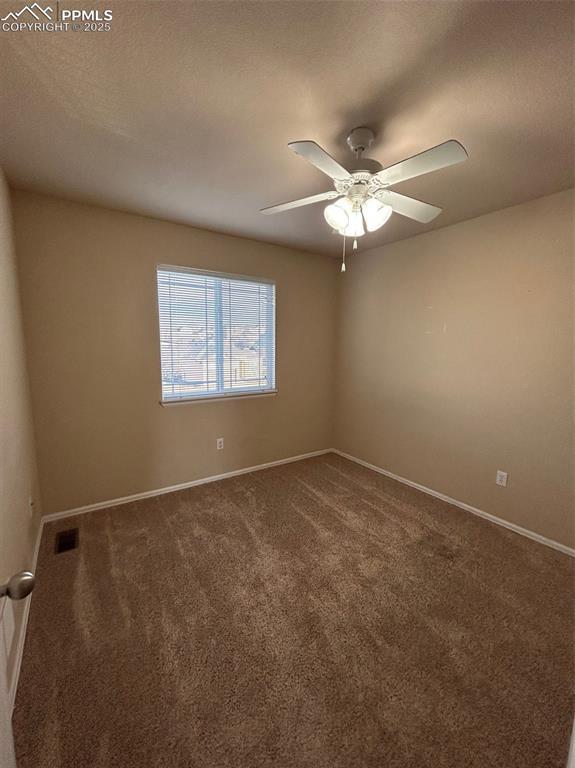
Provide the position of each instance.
(66, 540)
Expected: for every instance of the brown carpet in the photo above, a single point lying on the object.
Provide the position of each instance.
(315, 614)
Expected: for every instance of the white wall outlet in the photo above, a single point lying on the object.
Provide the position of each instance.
(501, 478)
(220, 443)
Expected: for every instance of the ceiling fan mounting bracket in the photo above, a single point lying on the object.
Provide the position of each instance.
(360, 139)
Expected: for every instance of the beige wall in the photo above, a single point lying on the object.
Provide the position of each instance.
(89, 298)
(455, 360)
(18, 527)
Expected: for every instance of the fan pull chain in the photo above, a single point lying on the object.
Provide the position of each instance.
(355, 244)
(343, 256)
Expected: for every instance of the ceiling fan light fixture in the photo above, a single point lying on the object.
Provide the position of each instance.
(355, 227)
(337, 214)
(375, 213)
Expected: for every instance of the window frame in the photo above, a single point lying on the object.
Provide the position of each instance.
(216, 396)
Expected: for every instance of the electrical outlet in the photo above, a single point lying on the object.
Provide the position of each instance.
(501, 478)
(220, 443)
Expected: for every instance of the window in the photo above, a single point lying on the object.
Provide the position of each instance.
(217, 334)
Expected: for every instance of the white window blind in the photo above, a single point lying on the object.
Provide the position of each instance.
(217, 334)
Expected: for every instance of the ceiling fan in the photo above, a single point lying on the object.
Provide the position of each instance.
(365, 200)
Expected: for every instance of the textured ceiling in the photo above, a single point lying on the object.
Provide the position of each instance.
(183, 111)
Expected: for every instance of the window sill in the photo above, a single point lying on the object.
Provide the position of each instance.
(217, 398)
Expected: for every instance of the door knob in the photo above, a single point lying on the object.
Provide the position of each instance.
(19, 586)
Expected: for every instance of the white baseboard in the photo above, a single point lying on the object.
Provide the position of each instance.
(462, 505)
(181, 486)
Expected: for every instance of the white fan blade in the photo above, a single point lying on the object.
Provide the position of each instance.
(317, 156)
(446, 154)
(408, 206)
(302, 201)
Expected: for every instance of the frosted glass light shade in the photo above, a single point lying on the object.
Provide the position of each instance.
(355, 227)
(345, 217)
(337, 214)
(375, 213)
